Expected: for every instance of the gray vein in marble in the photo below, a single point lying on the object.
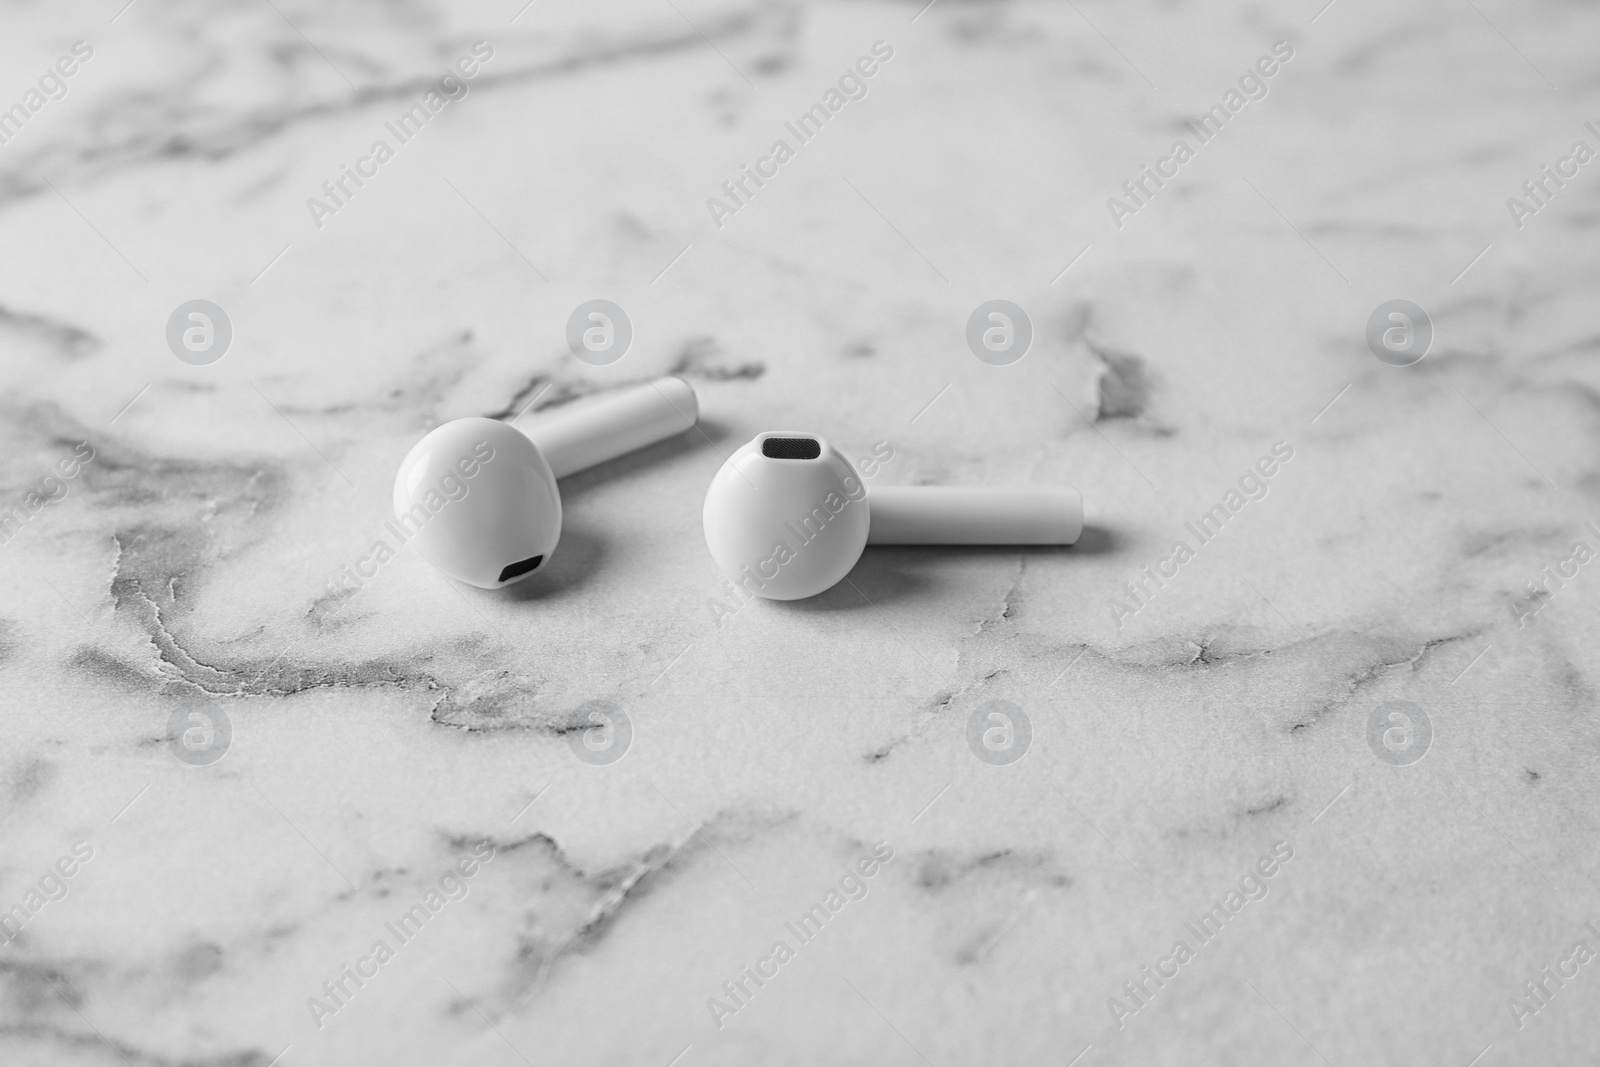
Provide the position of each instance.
(159, 567)
(93, 1043)
(614, 891)
(38, 989)
(167, 125)
(1331, 669)
(30, 779)
(69, 341)
(940, 869)
(696, 359)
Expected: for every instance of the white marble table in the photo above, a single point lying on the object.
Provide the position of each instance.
(385, 742)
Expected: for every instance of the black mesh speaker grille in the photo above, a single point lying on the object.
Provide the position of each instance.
(790, 448)
(516, 570)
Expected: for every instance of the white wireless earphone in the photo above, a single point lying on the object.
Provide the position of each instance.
(479, 497)
(786, 517)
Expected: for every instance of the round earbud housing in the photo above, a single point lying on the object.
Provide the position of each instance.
(479, 501)
(786, 516)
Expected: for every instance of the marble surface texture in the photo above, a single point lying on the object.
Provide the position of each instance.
(381, 737)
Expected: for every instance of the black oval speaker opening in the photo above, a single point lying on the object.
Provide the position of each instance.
(516, 570)
(790, 448)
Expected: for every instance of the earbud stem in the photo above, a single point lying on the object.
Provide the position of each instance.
(973, 515)
(610, 426)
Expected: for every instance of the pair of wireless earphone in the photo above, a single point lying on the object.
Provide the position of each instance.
(786, 516)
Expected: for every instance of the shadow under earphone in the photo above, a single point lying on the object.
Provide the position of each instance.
(582, 549)
(1095, 541)
(580, 554)
(886, 573)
